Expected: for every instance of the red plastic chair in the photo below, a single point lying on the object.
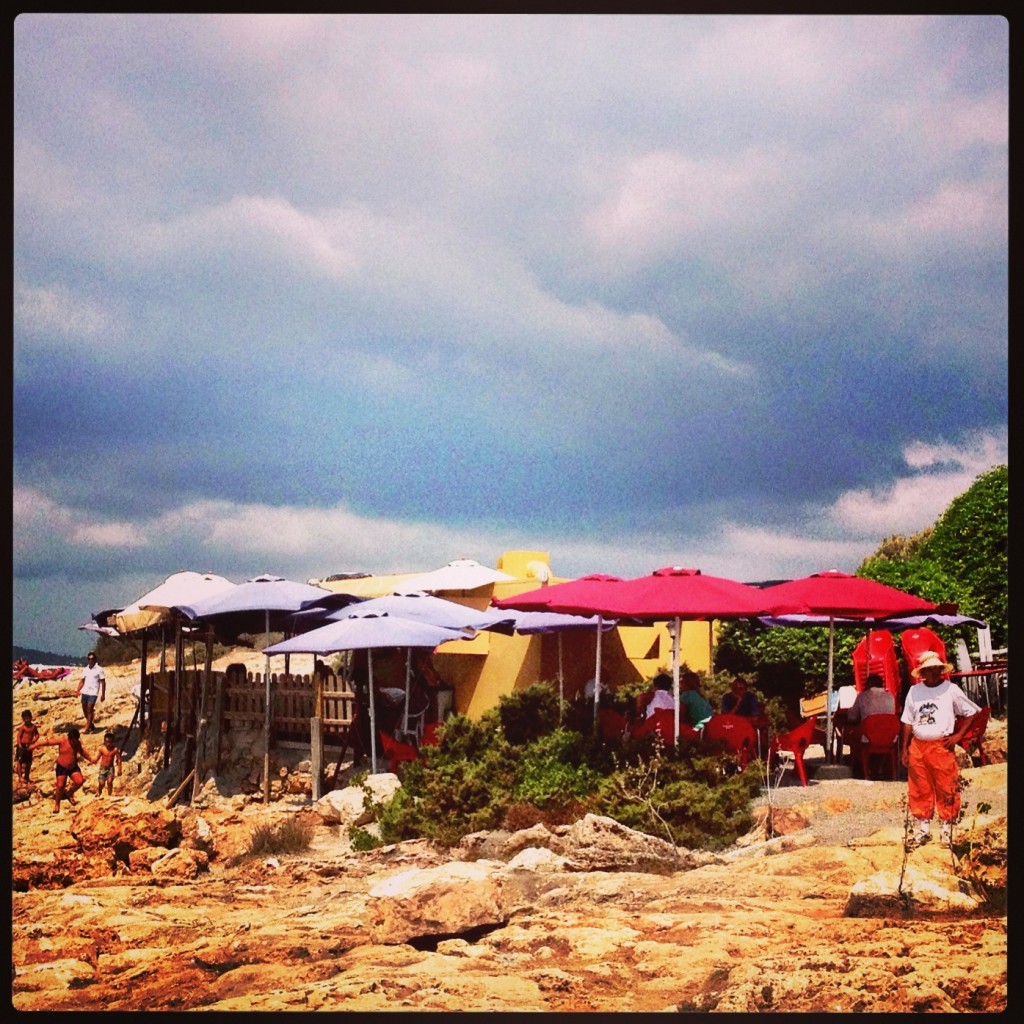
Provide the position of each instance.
(736, 733)
(882, 733)
(663, 723)
(975, 734)
(396, 751)
(796, 741)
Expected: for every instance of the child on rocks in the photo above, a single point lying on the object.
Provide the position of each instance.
(109, 756)
(24, 740)
(69, 750)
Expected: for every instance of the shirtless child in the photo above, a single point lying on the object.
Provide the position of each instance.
(24, 740)
(109, 756)
(69, 750)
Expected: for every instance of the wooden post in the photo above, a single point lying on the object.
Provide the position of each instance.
(201, 716)
(218, 719)
(316, 738)
(173, 799)
(267, 720)
(143, 682)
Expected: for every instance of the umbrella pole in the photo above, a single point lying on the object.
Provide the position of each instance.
(561, 681)
(408, 684)
(266, 717)
(675, 674)
(597, 672)
(828, 695)
(373, 713)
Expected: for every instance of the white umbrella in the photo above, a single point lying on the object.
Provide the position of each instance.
(155, 606)
(367, 632)
(461, 574)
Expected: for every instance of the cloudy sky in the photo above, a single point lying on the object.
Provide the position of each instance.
(312, 294)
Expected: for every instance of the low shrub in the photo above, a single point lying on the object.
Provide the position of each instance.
(685, 798)
(529, 713)
(292, 835)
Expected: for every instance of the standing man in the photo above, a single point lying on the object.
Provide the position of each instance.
(93, 685)
(928, 735)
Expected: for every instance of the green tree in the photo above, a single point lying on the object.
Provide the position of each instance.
(970, 543)
(962, 559)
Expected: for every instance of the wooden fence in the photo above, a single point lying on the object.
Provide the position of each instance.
(242, 701)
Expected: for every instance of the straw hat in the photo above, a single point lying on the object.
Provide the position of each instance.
(930, 660)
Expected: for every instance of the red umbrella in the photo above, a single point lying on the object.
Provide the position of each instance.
(587, 591)
(553, 597)
(674, 594)
(840, 595)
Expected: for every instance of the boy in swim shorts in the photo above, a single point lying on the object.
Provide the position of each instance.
(109, 756)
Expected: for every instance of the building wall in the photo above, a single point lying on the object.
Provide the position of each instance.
(494, 665)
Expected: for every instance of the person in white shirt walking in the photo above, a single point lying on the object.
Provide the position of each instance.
(928, 734)
(92, 687)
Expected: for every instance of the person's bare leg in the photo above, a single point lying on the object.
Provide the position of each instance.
(58, 792)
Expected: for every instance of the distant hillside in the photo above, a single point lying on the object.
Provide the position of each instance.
(34, 657)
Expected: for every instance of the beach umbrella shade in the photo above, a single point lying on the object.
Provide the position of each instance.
(260, 603)
(586, 590)
(673, 594)
(898, 623)
(461, 574)
(423, 607)
(263, 603)
(838, 595)
(368, 632)
(156, 605)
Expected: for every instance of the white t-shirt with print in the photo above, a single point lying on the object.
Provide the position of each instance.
(931, 711)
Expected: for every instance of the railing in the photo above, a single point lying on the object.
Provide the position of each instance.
(243, 699)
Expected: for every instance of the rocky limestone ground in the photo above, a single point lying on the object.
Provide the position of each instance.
(126, 904)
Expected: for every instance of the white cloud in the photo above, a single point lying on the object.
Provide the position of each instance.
(911, 503)
(260, 226)
(58, 310)
(40, 524)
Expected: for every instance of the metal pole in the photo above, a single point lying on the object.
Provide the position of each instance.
(675, 674)
(373, 713)
(266, 716)
(828, 695)
(597, 672)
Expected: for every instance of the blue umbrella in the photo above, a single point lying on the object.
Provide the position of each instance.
(258, 603)
(421, 607)
(367, 632)
(899, 623)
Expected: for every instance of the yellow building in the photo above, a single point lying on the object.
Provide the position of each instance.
(491, 665)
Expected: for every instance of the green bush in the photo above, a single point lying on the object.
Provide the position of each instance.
(554, 770)
(686, 799)
(362, 840)
(529, 713)
(462, 785)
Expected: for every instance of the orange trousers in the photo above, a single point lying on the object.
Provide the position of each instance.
(933, 780)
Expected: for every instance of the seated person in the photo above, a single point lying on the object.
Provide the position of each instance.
(738, 700)
(698, 709)
(659, 696)
(874, 699)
